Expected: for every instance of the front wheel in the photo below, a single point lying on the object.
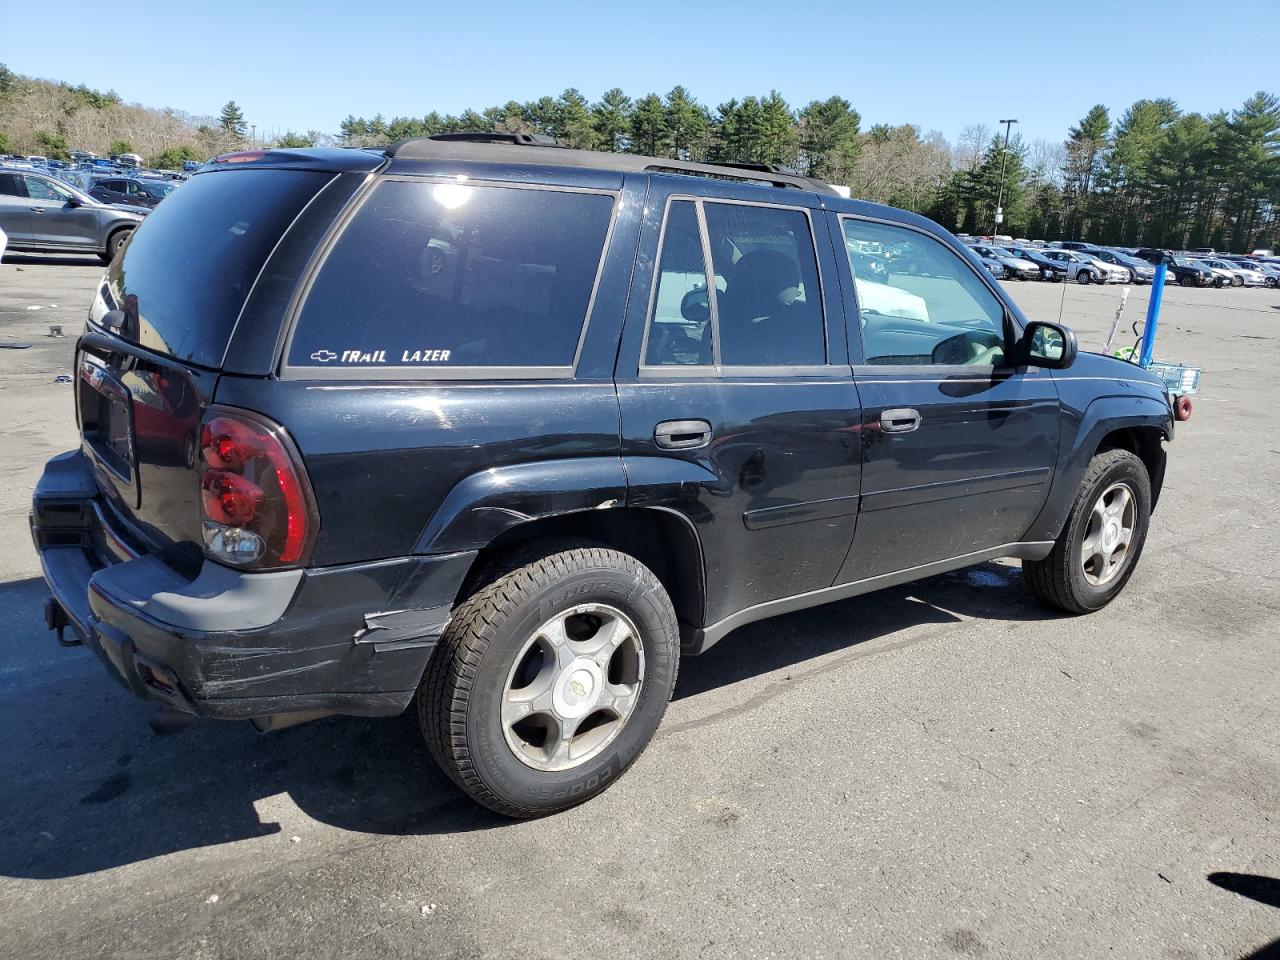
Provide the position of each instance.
(1083, 278)
(1187, 281)
(1096, 552)
(114, 243)
(550, 679)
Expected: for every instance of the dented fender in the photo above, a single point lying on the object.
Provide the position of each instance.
(485, 504)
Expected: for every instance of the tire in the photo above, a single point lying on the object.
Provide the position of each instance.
(1186, 280)
(114, 243)
(490, 641)
(1061, 579)
(1083, 278)
(1237, 281)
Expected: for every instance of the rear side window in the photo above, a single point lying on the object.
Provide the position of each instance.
(432, 275)
(187, 270)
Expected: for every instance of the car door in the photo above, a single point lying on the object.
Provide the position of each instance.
(15, 208)
(959, 445)
(738, 408)
(55, 219)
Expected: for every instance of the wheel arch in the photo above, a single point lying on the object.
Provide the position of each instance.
(498, 511)
(663, 540)
(1139, 424)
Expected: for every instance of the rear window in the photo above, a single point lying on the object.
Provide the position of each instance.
(431, 275)
(188, 268)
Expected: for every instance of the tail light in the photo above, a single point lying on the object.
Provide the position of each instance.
(254, 497)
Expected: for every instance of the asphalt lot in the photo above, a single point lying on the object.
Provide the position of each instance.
(940, 770)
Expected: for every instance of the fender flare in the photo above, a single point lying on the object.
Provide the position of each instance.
(1102, 416)
(484, 505)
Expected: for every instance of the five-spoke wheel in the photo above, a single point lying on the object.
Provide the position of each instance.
(573, 687)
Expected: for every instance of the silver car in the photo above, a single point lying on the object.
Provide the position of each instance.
(42, 213)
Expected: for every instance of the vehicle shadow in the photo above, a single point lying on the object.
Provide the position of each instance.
(1265, 890)
(89, 786)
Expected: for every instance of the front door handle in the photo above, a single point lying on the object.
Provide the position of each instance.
(36, 209)
(899, 420)
(682, 434)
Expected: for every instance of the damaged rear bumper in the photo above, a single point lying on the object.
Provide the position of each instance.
(352, 639)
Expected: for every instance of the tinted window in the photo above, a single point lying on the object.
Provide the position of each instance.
(766, 277)
(450, 274)
(927, 306)
(680, 326)
(187, 270)
(11, 185)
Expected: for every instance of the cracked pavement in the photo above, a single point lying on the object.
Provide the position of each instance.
(944, 769)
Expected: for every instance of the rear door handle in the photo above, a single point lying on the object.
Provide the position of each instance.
(899, 420)
(682, 434)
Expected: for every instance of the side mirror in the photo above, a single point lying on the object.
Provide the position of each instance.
(1048, 345)
(74, 202)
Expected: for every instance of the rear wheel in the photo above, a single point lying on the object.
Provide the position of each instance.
(114, 242)
(550, 679)
(1100, 543)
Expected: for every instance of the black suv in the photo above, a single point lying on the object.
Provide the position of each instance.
(1180, 269)
(501, 430)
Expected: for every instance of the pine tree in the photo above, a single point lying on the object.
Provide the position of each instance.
(829, 141)
(231, 120)
(686, 124)
(649, 127)
(573, 123)
(611, 117)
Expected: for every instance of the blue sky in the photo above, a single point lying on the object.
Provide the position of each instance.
(940, 65)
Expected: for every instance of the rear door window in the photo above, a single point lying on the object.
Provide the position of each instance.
(448, 274)
(189, 267)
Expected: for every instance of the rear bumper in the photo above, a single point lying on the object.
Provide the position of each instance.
(227, 644)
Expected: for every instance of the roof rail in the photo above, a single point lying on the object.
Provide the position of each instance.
(517, 139)
(490, 146)
(743, 172)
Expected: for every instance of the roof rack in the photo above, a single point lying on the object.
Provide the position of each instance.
(508, 147)
(520, 139)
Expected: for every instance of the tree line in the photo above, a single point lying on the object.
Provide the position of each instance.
(1154, 175)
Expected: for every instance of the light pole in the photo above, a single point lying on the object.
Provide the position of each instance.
(1008, 124)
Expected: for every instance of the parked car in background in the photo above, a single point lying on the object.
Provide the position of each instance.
(1180, 269)
(1111, 272)
(1079, 268)
(1189, 273)
(42, 213)
(1242, 276)
(1076, 245)
(1140, 270)
(1270, 271)
(138, 192)
(994, 267)
(1222, 277)
(1014, 267)
(1051, 270)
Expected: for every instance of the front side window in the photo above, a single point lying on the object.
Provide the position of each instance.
(40, 189)
(923, 305)
(431, 274)
(762, 304)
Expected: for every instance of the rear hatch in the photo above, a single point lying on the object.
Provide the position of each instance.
(158, 334)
